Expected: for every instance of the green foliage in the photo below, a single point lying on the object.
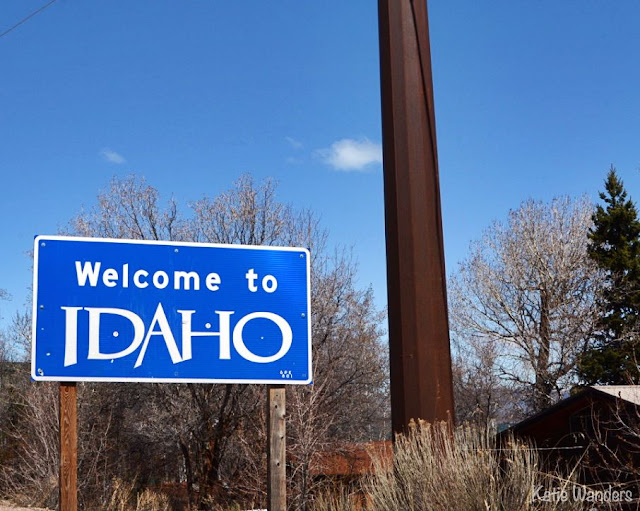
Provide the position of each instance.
(614, 244)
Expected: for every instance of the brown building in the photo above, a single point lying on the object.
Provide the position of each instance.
(597, 429)
(348, 463)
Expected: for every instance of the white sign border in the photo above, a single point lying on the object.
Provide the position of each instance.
(43, 238)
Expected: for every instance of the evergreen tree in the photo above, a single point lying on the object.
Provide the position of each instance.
(614, 244)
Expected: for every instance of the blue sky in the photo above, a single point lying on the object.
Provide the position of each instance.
(533, 99)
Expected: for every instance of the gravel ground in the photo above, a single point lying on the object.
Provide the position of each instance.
(7, 506)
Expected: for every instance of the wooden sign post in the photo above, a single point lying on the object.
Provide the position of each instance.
(276, 449)
(68, 447)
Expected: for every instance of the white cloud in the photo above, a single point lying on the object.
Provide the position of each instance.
(296, 144)
(349, 154)
(112, 156)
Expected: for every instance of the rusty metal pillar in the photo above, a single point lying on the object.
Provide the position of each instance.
(420, 358)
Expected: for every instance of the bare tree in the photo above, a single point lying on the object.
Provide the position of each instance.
(30, 472)
(4, 295)
(4, 350)
(4, 337)
(309, 424)
(212, 428)
(482, 397)
(30, 433)
(528, 289)
(129, 209)
(18, 336)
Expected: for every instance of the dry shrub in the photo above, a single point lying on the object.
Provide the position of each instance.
(124, 498)
(435, 469)
(29, 472)
(337, 499)
(122, 493)
(150, 500)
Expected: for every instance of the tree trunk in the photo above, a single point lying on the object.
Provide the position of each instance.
(543, 385)
(189, 470)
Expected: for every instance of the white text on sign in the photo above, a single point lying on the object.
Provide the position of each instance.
(160, 327)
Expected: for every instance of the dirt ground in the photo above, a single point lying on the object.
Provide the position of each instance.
(7, 506)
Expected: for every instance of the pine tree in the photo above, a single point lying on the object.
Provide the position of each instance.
(614, 245)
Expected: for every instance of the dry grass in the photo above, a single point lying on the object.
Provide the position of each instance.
(337, 499)
(432, 469)
(436, 469)
(149, 500)
(124, 498)
(5, 505)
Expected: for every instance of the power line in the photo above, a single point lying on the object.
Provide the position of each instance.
(27, 18)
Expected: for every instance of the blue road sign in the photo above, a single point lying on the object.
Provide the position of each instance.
(143, 311)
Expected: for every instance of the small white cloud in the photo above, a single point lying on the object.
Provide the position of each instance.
(296, 144)
(112, 156)
(349, 154)
(293, 161)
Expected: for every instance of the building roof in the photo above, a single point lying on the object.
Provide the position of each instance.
(557, 414)
(630, 393)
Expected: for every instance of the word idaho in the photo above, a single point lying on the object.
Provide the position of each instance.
(159, 327)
